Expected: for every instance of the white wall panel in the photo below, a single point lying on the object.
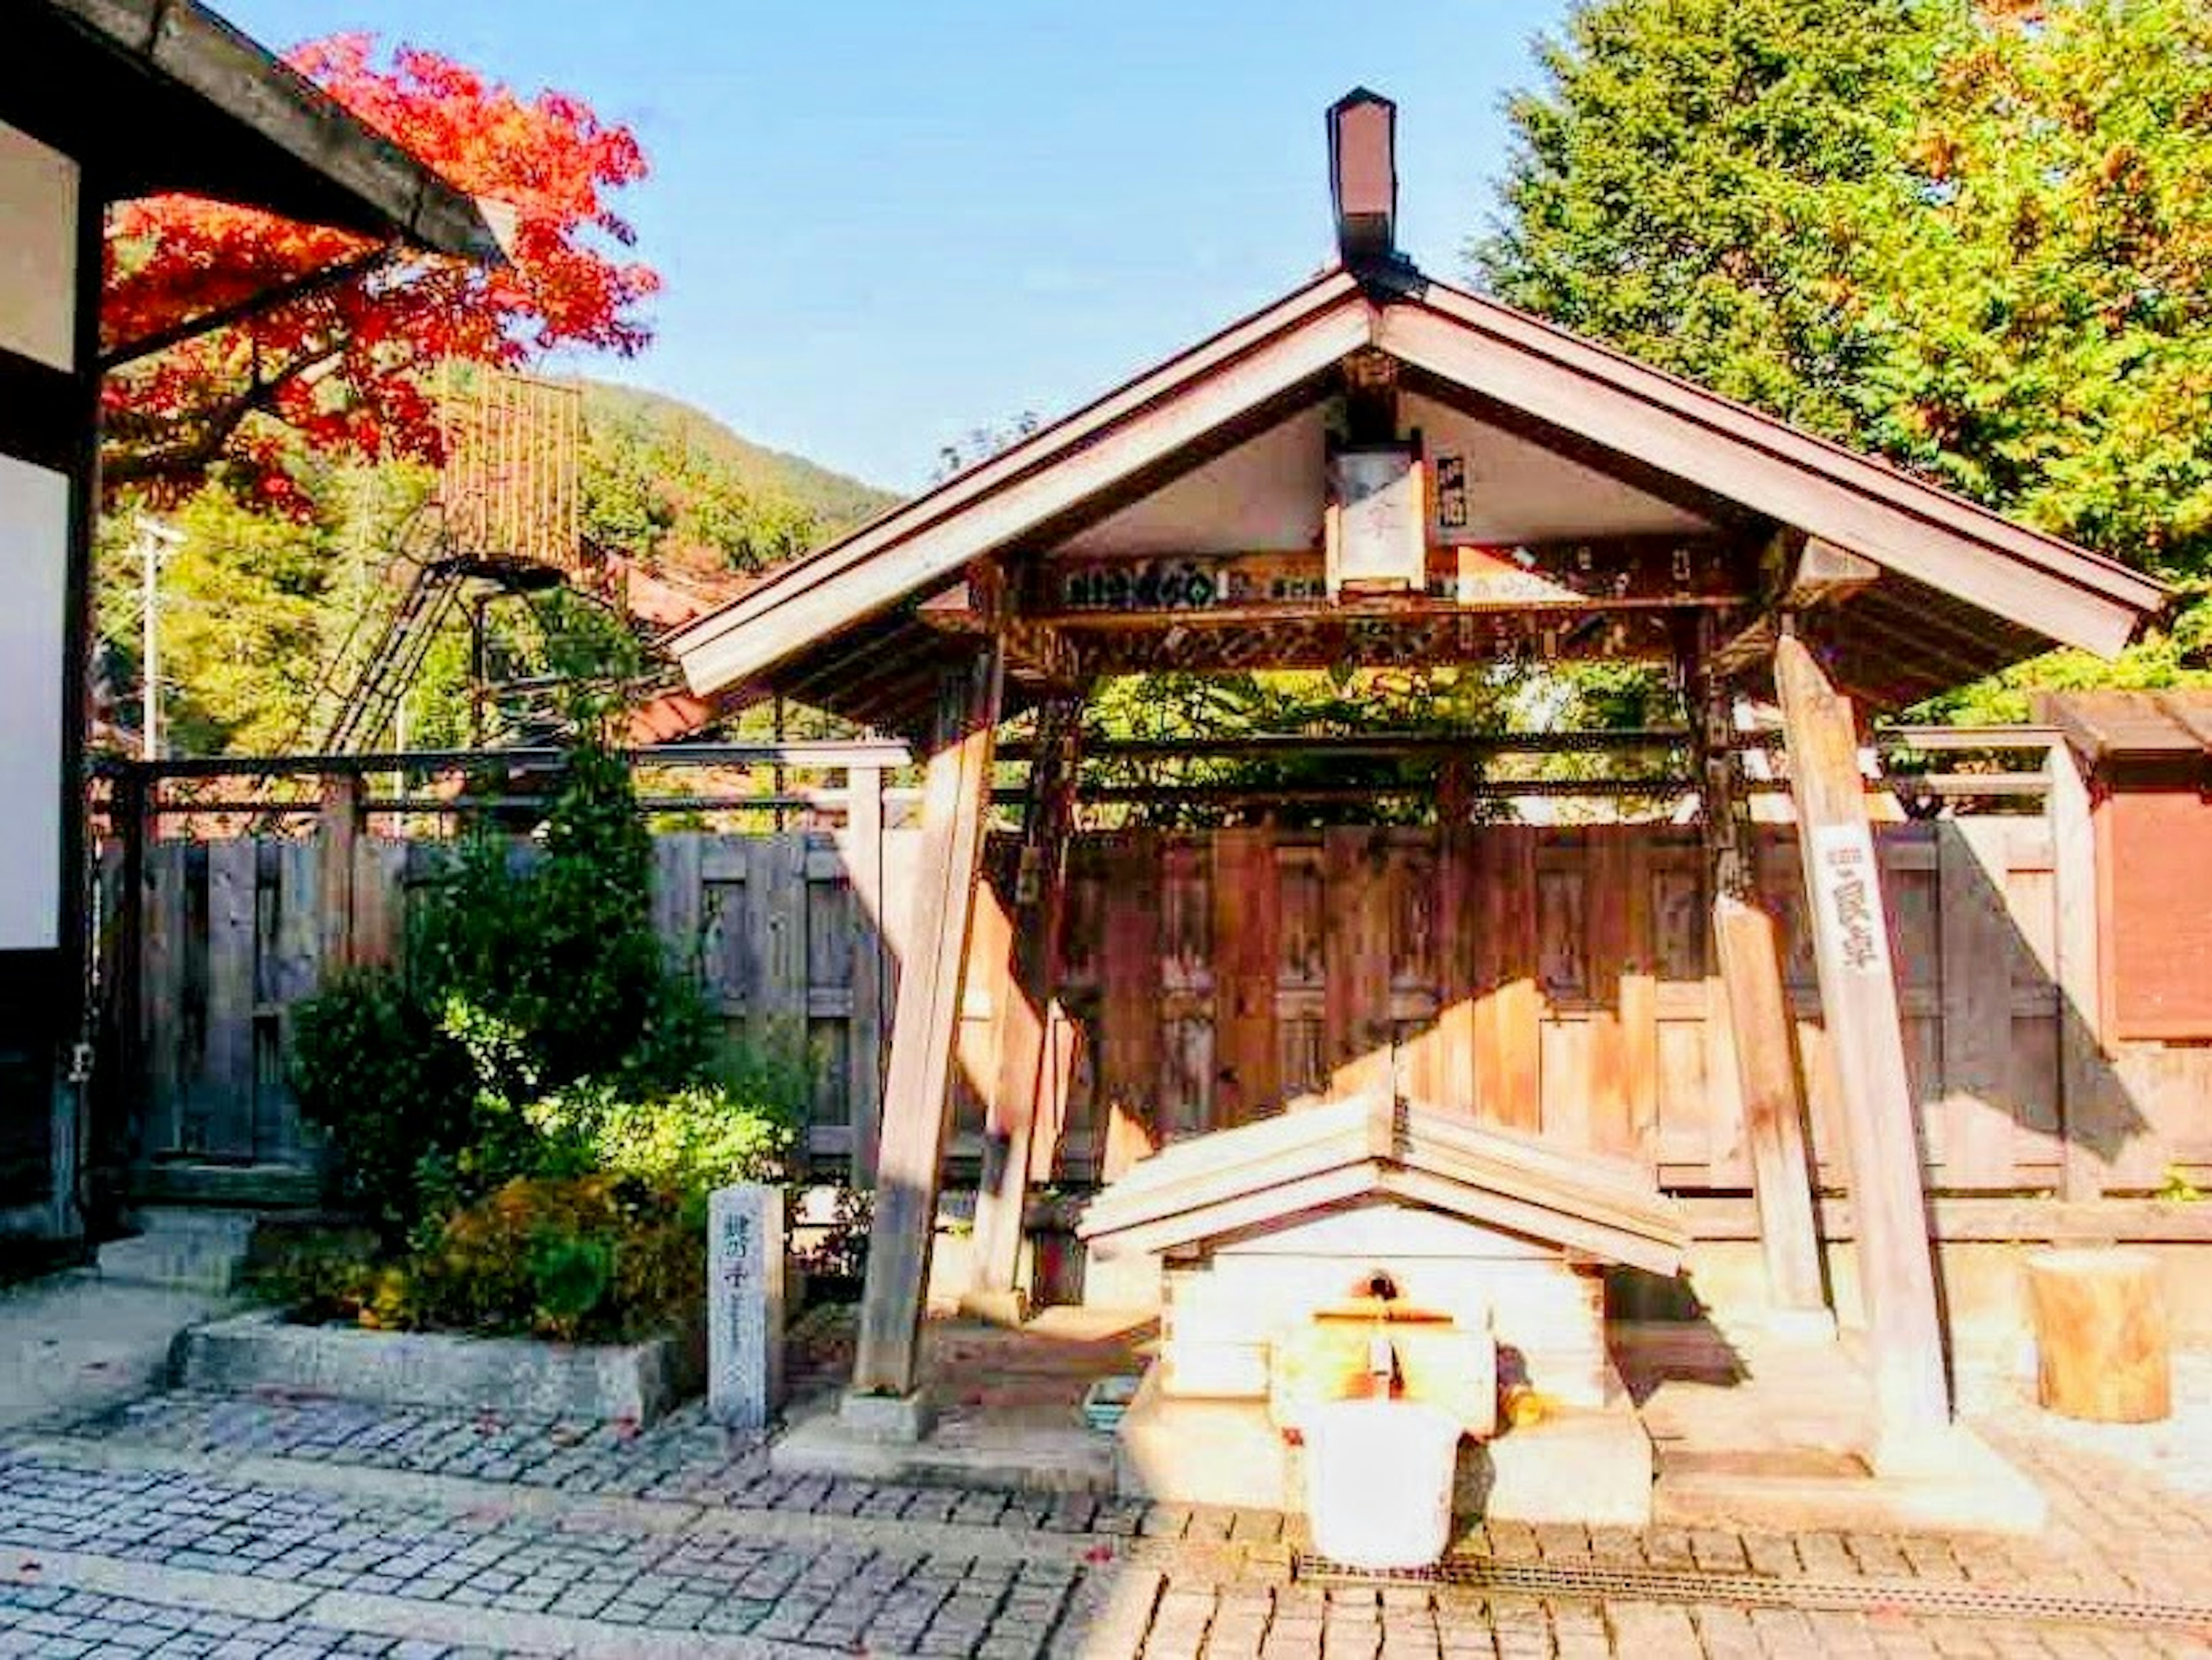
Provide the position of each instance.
(38, 250)
(34, 588)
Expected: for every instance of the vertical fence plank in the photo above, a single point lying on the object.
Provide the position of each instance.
(1187, 988)
(163, 1004)
(678, 893)
(1418, 949)
(1357, 936)
(1609, 881)
(776, 1022)
(1129, 1012)
(860, 845)
(229, 1101)
(298, 973)
(987, 997)
(1457, 945)
(1509, 1076)
(382, 868)
(338, 829)
(1245, 897)
(1976, 947)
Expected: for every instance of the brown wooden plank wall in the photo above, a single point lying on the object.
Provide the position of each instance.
(1558, 979)
(1561, 979)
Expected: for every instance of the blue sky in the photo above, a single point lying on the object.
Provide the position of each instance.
(882, 225)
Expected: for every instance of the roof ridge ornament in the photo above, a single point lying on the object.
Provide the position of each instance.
(1363, 190)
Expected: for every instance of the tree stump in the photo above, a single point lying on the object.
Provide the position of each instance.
(2102, 1343)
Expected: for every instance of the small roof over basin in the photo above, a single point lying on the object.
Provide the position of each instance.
(1245, 1180)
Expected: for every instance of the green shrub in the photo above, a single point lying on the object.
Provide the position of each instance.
(690, 1140)
(536, 1029)
(372, 1069)
(589, 1258)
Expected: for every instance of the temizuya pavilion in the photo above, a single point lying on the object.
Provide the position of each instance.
(1381, 469)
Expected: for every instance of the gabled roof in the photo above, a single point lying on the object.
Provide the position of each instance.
(1239, 1180)
(161, 95)
(1970, 591)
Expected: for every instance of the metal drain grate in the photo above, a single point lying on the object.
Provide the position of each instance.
(1600, 1582)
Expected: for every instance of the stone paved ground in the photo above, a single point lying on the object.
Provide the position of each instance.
(51, 1620)
(197, 1524)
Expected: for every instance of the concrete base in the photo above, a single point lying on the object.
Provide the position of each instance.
(183, 1249)
(1756, 1431)
(1004, 1457)
(1186, 1451)
(1587, 1465)
(636, 1382)
(1962, 1486)
(996, 1308)
(900, 1419)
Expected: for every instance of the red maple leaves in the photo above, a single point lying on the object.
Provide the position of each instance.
(347, 366)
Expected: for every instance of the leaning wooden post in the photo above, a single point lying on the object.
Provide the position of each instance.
(1747, 943)
(1024, 1077)
(918, 1083)
(1866, 1035)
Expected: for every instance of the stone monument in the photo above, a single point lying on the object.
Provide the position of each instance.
(744, 1304)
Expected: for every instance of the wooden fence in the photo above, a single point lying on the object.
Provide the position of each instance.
(1558, 979)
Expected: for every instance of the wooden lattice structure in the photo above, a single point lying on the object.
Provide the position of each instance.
(509, 483)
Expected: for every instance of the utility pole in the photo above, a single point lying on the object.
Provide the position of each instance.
(154, 540)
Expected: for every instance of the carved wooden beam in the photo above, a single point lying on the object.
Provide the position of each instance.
(1038, 655)
(1111, 592)
(1804, 572)
(1381, 640)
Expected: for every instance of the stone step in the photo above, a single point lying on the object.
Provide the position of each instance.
(193, 1250)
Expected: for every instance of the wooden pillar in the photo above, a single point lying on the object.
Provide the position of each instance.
(338, 826)
(1866, 1035)
(1748, 943)
(1026, 1076)
(872, 963)
(1747, 946)
(918, 1081)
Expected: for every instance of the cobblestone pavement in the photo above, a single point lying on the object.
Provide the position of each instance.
(51, 1620)
(194, 1524)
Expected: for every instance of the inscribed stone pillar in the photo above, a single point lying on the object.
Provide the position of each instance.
(744, 1304)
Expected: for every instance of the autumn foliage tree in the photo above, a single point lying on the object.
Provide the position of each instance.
(346, 366)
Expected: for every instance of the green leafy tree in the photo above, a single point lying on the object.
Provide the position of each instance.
(1688, 180)
(1976, 240)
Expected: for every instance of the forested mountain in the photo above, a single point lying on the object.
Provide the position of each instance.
(626, 425)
